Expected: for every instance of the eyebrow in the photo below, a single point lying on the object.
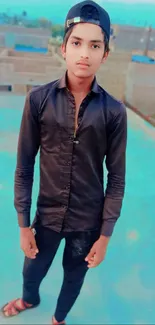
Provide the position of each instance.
(91, 41)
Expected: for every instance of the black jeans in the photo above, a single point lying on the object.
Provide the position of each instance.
(78, 245)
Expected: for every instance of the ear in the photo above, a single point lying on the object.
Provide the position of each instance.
(105, 57)
(63, 51)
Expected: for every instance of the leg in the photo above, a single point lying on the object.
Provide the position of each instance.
(35, 270)
(77, 247)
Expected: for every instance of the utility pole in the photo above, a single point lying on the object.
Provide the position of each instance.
(148, 41)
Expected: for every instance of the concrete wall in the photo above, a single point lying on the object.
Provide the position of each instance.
(24, 30)
(38, 69)
(12, 35)
(9, 77)
(129, 38)
(125, 80)
(151, 54)
(33, 65)
(140, 87)
(34, 41)
(21, 54)
(2, 40)
(19, 89)
(3, 52)
(112, 74)
(28, 69)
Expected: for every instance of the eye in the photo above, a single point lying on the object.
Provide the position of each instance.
(95, 46)
(76, 43)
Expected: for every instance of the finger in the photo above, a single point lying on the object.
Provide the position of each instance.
(90, 255)
(27, 251)
(30, 254)
(94, 262)
(33, 252)
(92, 265)
(32, 257)
(34, 246)
(91, 259)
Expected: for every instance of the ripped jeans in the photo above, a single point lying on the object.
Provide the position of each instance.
(77, 246)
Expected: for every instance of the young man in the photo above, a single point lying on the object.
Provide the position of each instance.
(75, 124)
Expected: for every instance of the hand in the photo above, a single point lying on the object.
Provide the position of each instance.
(97, 252)
(28, 243)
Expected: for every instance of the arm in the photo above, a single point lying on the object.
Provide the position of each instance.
(116, 167)
(115, 163)
(28, 145)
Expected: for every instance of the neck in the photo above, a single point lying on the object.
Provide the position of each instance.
(79, 85)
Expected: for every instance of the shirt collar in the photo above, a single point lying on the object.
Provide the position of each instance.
(62, 83)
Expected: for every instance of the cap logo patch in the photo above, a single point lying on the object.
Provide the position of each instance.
(73, 21)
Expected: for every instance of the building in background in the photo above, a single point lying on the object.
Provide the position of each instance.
(130, 38)
(13, 36)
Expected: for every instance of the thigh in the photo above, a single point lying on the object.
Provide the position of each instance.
(78, 245)
(47, 242)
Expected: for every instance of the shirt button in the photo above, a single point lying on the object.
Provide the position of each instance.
(76, 141)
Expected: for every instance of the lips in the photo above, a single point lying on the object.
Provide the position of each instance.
(83, 64)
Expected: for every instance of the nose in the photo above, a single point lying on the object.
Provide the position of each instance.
(84, 53)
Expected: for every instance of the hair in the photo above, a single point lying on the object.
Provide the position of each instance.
(67, 35)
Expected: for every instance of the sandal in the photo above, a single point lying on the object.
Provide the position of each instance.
(54, 322)
(12, 305)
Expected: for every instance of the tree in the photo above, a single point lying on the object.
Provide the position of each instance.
(5, 18)
(15, 20)
(24, 13)
(44, 22)
(57, 30)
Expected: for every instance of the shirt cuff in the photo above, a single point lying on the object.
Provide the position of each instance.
(107, 228)
(24, 220)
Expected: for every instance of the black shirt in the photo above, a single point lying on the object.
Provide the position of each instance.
(71, 195)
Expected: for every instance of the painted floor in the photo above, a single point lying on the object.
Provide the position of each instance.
(122, 289)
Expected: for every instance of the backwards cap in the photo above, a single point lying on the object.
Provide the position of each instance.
(88, 12)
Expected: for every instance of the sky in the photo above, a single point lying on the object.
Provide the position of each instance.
(139, 12)
(7, 2)
(30, 1)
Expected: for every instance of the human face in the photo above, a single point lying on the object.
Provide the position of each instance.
(84, 51)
